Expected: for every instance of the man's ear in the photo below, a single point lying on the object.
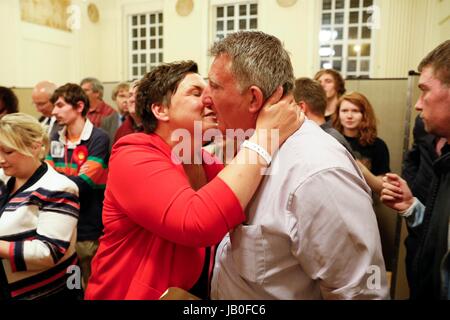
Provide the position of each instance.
(257, 99)
(79, 107)
(303, 106)
(160, 111)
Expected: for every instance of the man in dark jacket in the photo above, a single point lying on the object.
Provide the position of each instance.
(430, 266)
(417, 170)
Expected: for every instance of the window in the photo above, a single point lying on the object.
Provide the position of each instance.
(346, 36)
(145, 43)
(235, 17)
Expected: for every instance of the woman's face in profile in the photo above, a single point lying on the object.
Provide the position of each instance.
(350, 115)
(186, 108)
(14, 163)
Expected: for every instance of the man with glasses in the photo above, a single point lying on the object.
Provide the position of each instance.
(42, 92)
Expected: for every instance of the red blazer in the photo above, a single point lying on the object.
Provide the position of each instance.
(156, 225)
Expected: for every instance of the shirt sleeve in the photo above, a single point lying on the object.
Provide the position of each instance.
(156, 194)
(56, 225)
(338, 242)
(414, 214)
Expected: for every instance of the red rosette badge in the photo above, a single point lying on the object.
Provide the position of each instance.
(80, 155)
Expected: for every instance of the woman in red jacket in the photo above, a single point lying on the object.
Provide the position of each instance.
(160, 213)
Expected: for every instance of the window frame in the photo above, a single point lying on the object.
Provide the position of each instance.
(346, 44)
(236, 17)
(144, 65)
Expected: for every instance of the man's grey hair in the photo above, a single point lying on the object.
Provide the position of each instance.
(45, 87)
(257, 59)
(97, 86)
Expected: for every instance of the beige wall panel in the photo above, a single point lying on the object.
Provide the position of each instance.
(9, 24)
(388, 98)
(108, 45)
(48, 59)
(297, 30)
(25, 103)
(186, 37)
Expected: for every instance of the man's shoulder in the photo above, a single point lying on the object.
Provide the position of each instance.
(379, 144)
(109, 120)
(98, 134)
(311, 140)
(311, 150)
(111, 117)
(107, 109)
(56, 181)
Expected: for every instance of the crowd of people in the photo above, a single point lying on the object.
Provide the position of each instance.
(135, 197)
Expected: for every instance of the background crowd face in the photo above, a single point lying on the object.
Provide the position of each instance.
(122, 101)
(224, 97)
(65, 113)
(328, 84)
(42, 102)
(350, 116)
(434, 104)
(93, 96)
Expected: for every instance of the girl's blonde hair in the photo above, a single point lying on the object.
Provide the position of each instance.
(19, 131)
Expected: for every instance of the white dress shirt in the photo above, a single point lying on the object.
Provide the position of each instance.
(311, 232)
(49, 122)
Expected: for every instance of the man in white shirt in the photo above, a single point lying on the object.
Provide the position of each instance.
(311, 231)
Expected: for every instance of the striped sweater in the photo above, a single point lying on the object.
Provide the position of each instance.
(85, 162)
(39, 220)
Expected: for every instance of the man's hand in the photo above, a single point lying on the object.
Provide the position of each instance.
(283, 115)
(396, 193)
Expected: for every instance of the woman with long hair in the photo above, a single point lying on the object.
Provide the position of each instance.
(355, 119)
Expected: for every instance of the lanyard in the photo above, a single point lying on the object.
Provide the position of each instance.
(67, 166)
(80, 153)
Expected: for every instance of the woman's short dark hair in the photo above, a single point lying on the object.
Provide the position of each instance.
(72, 94)
(10, 101)
(157, 87)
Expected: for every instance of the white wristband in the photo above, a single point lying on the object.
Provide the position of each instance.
(258, 149)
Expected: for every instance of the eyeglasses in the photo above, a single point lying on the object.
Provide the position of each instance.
(41, 104)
